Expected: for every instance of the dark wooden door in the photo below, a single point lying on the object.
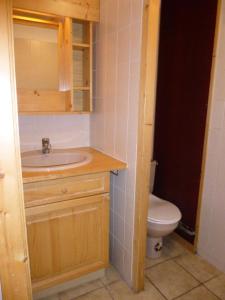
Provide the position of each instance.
(185, 58)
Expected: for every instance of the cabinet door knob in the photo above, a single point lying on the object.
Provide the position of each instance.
(25, 258)
(64, 191)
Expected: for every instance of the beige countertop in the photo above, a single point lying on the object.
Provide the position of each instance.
(99, 163)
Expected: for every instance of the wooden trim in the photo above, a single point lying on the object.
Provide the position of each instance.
(57, 190)
(38, 15)
(71, 275)
(205, 146)
(67, 61)
(150, 37)
(81, 88)
(91, 65)
(42, 100)
(35, 24)
(14, 262)
(34, 20)
(78, 9)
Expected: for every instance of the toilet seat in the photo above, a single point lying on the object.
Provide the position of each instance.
(162, 212)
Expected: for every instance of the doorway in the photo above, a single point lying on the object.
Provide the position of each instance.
(184, 67)
(148, 87)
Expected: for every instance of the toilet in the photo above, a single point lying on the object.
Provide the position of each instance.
(163, 219)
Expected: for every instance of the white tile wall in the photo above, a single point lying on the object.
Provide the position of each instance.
(212, 223)
(63, 131)
(113, 125)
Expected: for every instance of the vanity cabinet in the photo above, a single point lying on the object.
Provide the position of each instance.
(67, 227)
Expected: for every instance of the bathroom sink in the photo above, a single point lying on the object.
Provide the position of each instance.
(55, 160)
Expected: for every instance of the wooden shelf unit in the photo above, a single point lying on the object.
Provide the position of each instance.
(74, 93)
(82, 65)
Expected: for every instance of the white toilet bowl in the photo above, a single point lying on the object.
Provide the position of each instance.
(163, 218)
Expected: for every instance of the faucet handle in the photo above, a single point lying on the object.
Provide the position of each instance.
(45, 140)
(46, 146)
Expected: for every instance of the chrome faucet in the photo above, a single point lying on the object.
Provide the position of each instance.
(46, 146)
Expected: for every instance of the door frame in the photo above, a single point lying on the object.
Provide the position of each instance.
(147, 101)
(14, 263)
(147, 96)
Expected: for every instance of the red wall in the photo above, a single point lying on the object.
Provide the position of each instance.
(185, 56)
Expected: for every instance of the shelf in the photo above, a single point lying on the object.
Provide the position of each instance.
(81, 88)
(80, 46)
(53, 112)
(82, 66)
(81, 100)
(80, 32)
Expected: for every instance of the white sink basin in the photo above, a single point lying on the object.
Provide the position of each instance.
(55, 160)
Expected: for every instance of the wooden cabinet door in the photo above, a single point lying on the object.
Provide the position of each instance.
(67, 239)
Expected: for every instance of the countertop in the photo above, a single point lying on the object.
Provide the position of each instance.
(100, 163)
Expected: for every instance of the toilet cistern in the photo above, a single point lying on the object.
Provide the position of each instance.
(46, 146)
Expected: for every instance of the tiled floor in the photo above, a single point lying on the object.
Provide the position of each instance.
(178, 274)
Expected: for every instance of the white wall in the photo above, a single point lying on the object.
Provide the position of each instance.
(63, 130)
(212, 226)
(113, 125)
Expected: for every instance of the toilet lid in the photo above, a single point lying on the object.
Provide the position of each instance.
(162, 211)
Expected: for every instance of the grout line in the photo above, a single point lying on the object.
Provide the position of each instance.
(214, 277)
(187, 271)
(89, 292)
(62, 296)
(156, 287)
(109, 291)
(107, 286)
(202, 282)
(212, 292)
(185, 293)
(161, 262)
(114, 281)
(110, 283)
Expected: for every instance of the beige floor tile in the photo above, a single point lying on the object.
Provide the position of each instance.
(217, 286)
(171, 279)
(63, 296)
(200, 293)
(54, 297)
(111, 275)
(150, 262)
(120, 291)
(100, 294)
(172, 247)
(197, 266)
(84, 289)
